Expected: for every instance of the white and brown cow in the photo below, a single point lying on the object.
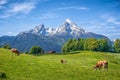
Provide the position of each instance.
(101, 64)
(13, 50)
(63, 61)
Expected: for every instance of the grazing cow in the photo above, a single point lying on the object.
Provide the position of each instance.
(51, 52)
(15, 51)
(63, 61)
(102, 64)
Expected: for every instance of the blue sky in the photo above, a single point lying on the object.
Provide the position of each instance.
(98, 16)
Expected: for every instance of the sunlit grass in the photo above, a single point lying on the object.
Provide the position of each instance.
(48, 67)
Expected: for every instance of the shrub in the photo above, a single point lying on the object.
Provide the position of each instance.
(6, 46)
(36, 50)
(2, 75)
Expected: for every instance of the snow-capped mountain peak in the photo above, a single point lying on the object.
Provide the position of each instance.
(39, 29)
(68, 21)
(67, 28)
(70, 28)
(42, 30)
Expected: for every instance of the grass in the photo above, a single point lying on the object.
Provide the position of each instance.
(48, 67)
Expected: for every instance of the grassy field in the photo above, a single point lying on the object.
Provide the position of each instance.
(48, 67)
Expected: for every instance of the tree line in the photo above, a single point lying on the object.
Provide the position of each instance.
(91, 44)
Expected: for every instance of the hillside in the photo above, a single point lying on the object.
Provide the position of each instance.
(48, 67)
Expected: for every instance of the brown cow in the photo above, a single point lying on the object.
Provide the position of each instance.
(51, 52)
(63, 61)
(102, 64)
(13, 50)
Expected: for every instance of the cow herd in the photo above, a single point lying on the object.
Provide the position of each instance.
(99, 65)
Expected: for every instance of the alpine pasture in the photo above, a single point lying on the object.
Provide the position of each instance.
(79, 66)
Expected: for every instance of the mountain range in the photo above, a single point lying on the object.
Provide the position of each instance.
(48, 38)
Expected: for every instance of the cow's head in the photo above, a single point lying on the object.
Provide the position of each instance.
(95, 67)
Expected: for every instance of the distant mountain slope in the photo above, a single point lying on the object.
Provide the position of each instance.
(25, 41)
(6, 39)
(48, 38)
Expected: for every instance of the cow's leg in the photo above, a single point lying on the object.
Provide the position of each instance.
(106, 67)
(18, 54)
(100, 67)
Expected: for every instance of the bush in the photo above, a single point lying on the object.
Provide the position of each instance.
(6, 46)
(2, 75)
(36, 50)
(26, 52)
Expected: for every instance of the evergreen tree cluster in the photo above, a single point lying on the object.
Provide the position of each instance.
(91, 44)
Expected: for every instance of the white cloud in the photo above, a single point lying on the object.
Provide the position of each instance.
(113, 34)
(1, 7)
(72, 7)
(113, 20)
(6, 15)
(17, 8)
(110, 19)
(12, 33)
(47, 15)
(102, 24)
(50, 14)
(3, 2)
(112, 27)
(21, 7)
(116, 22)
(83, 8)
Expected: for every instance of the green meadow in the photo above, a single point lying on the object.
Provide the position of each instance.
(79, 66)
